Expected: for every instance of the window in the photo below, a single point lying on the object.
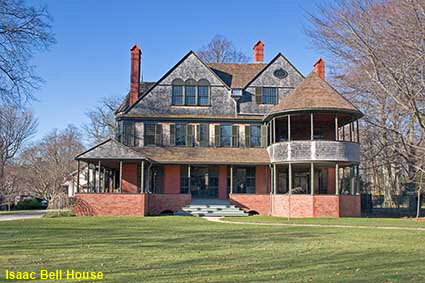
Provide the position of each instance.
(180, 135)
(184, 179)
(190, 92)
(203, 134)
(266, 95)
(177, 92)
(127, 133)
(243, 180)
(253, 136)
(203, 92)
(269, 95)
(152, 134)
(225, 136)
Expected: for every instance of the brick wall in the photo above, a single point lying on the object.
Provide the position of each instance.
(129, 178)
(110, 204)
(222, 182)
(326, 206)
(350, 206)
(248, 202)
(158, 203)
(262, 180)
(171, 179)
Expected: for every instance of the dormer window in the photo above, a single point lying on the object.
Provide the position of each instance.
(190, 92)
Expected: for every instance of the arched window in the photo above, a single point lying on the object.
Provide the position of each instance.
(177, 92)
(190, 92)
(203, 92)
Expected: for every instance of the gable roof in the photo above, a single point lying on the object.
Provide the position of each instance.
(314, 93)
(110, 149)
(144, 87)
(169, 72)
(268, 65)
(236, 75)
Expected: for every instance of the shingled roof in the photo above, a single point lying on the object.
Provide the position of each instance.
(206, 155)
(313, 93)
(236, 75)
(110, 149)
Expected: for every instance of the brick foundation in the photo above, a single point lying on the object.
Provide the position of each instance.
(172, 202)
(300, 206)
(110, 204)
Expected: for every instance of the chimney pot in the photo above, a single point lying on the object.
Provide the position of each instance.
(319, 68)
(135, 74)
(259, 52)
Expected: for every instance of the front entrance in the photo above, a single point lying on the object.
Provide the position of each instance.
(204, 181)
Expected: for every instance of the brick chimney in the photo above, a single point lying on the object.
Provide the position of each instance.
(259, 52)
(135, 74)
(319, 68)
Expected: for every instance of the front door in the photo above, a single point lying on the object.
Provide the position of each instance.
(204, 181)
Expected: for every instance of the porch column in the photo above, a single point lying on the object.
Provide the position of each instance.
(78, 176)
(120, 176)
(274, 179)
(311, 126)
(289, 127)
(142, 177)
(94, 178)
(312, 178)
(104, 180)
(274, 130)
(231, 179)
(98, 185)
(351, 130)
(352, 179)
(336, 128)
(358, 133)
(336, 179)
(88, 178)
(290, 178)
(188, 179)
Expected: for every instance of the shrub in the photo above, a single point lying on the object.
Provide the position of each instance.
(55, 214)
(29, 204)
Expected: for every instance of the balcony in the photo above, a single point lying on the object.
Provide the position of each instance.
(314, 150)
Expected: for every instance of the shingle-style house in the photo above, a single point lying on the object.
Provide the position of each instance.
(261, 136)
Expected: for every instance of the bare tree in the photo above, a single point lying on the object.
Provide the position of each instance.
(378, 50)
(16, 127)
(23, 30)
(101, 123)
(221, 50)
(47, 163)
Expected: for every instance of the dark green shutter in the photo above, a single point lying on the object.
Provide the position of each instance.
(206, 142)
(198, 134)
(189, 135)
(158, 134)
(263, 135)
(258, 95)
(203, 134)
(235, 136)
(172, 134)
(217, 135)
(247, 136)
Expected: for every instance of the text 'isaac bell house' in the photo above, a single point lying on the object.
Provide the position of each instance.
(261, 136)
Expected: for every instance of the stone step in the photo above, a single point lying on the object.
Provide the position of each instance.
(211, 206)
(220, 214)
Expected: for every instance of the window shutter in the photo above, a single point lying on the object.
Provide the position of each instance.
(217, 135)
(189, 135)
(158, 134)
(235, 136)
(206, 140)
(258, 95)
(247, 136)
(172, 134)
(263, 135)
(198, 134)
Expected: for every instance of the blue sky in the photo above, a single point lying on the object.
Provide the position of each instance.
(91, 57)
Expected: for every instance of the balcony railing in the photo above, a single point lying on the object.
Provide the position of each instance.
(314, 151)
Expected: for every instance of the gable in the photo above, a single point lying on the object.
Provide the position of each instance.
(267, 78)
(109, 149)
(158, 99)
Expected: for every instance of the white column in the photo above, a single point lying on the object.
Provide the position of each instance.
(336, 179)
(289, 127)
(290, 178)
(142, 177)
(274, 178)
(311, 126)
(231, 179)
(312, 178)
(120, 176)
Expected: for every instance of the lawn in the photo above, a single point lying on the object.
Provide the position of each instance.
(186, 249)
(373, 222)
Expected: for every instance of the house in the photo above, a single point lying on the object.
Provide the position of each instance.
(260, 135)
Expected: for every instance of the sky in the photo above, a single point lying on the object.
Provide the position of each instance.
(91, 58)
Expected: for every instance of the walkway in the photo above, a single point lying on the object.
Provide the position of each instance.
(220, 220)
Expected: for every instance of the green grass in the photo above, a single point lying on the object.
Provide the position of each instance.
(185, 249)
(373, 222)
(56, 214)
